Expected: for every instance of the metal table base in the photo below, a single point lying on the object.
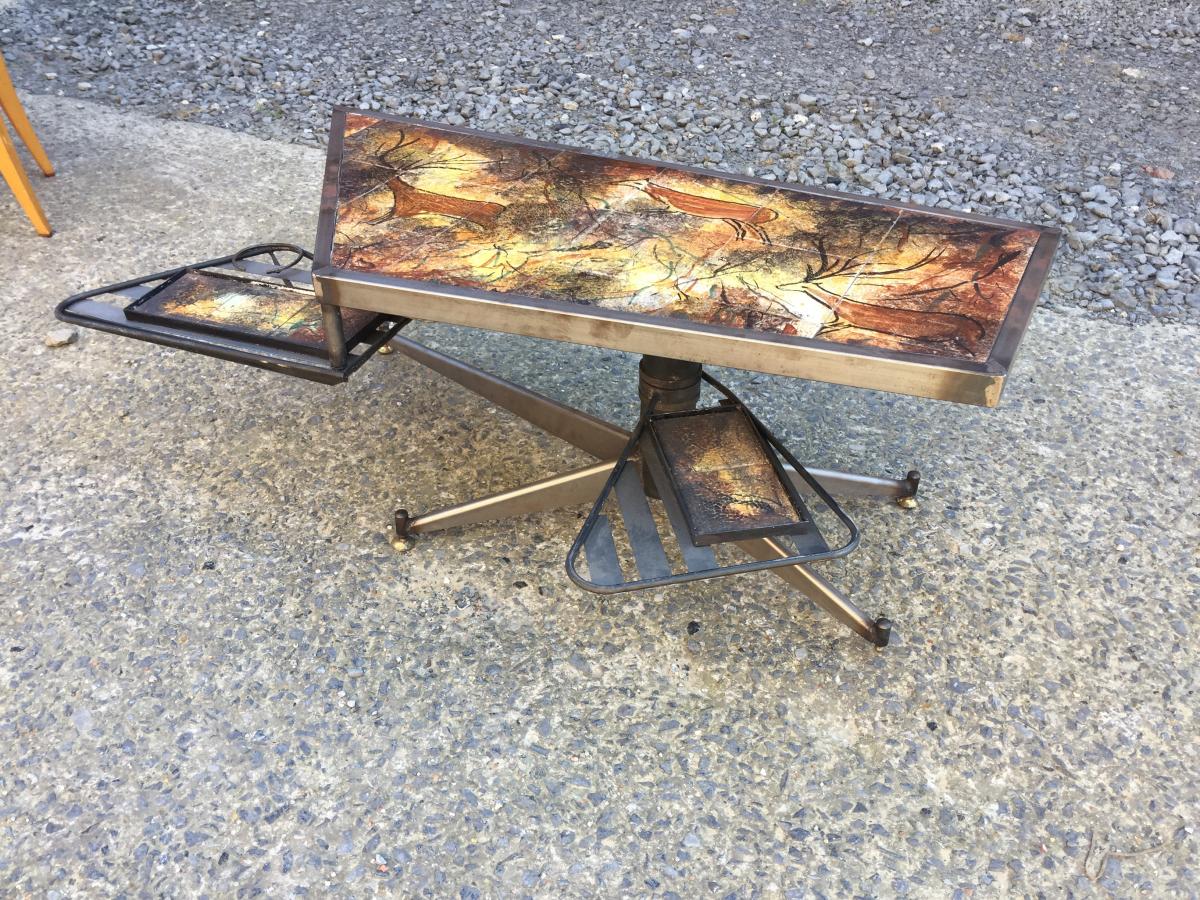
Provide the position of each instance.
(605, 441)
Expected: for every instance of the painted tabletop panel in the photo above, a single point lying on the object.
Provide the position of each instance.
(426, 204)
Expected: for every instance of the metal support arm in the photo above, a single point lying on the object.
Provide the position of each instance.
(573, 488)
(848, 484)
(601, 439)
(821, 592)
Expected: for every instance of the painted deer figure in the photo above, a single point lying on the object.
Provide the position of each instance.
(741, 217)
(410, 201)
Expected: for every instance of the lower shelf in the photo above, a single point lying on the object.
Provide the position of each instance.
(640, 533)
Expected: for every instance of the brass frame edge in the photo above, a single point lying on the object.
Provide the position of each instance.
(976, 385)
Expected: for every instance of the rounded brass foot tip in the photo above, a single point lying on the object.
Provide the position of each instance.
(907, 502)
(386, 350)
(401, 543)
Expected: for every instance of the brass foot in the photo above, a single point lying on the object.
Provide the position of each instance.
(909, 500)
(386, 349)
(401, 543)
(398, 534)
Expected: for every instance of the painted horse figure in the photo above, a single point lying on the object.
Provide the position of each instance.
(741, 217)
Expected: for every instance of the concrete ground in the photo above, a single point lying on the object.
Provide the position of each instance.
(219, 678)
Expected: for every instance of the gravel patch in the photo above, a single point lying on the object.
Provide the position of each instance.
(1075, 114)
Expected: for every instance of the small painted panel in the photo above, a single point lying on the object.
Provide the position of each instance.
(726, 483)
(427, 204)
(244, 308)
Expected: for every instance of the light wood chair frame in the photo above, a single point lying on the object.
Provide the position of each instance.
(10, 162)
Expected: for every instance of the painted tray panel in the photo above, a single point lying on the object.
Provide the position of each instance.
(726, 479)
(246, 308)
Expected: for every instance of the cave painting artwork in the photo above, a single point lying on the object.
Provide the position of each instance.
(427, 204)
(261, 311)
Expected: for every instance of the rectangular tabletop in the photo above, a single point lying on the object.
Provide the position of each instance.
(453, 225)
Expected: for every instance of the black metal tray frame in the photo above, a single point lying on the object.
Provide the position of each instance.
(87, 310)
(700, 561)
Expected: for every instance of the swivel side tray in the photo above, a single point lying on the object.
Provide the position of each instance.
(248, 307)
(689, 483)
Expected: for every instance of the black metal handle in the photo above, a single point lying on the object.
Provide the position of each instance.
(271, 250)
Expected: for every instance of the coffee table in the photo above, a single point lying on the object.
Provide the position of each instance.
(683, 266)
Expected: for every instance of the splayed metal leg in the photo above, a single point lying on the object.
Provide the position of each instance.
(821, 592)
(847, 484)
(604, 440)
(568, 489)
(601, 439)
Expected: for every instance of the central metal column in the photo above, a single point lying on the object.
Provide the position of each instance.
(674, 386)
(673, 383)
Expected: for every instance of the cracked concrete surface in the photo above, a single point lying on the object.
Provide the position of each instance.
(219, 678)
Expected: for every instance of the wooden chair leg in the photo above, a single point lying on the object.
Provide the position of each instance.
(14, 174)
(16, 114)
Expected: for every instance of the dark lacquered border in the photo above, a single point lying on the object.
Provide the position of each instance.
(327, 218)
(1020, 311)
